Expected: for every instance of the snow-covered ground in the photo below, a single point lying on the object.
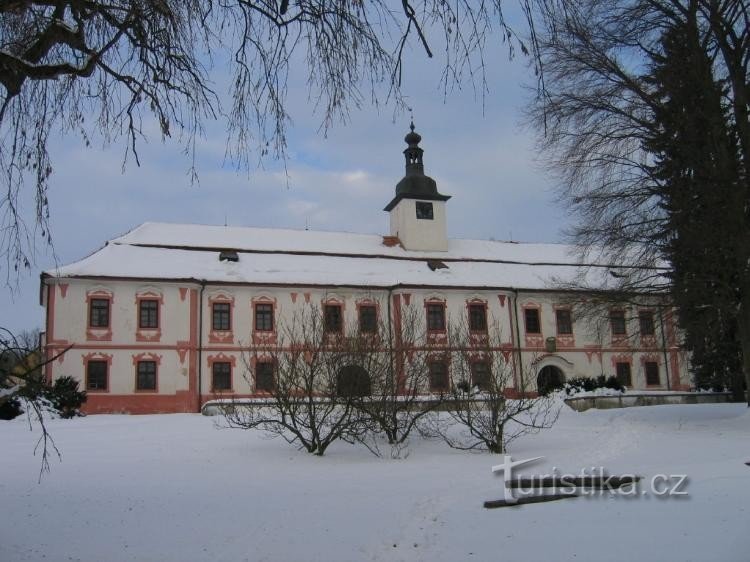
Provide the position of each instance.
(174, 487)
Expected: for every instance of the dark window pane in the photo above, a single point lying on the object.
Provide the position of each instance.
(477, 318)
(264, 317)
(532, 321)
(564, 322)
(617, 321)
(148, 314)
(438, 376)
(146, 377)
(99, 313)
(368, 319)
(96, 375)
(652, 373)
(264, 376)
(647, 323)
(436, 317)
(623, 374)
(221, 376)
(424, 210)
(333, 321)
(221, 316)
(480, 375)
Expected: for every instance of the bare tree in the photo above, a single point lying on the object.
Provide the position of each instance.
(111, 69)
(489, 406)
(319, 374)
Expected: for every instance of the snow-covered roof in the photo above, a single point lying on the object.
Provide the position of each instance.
(300, 257)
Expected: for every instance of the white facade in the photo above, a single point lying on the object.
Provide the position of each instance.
(156, 321)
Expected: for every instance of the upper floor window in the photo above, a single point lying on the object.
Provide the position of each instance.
(148, 313)
(99, 313)
(221, 316)
(531, 317)
(436, 317)
(564, 322)
(438, 376)
(264, 317)
(646, 321)
(623, 374)
(424, 210)
(652, 373)
(264, 376)
(146, 376)
(333, 320)
(221, 376)
(96, 375)
(368, 319)
(617, 322)
(477, 318)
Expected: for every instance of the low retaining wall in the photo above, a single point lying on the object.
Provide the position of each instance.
(628, 400)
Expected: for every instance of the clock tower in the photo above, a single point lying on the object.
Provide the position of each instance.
(418, 209)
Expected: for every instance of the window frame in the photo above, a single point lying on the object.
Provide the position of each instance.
(264, 364)
(538, 313)
(214, 367)
(487, 374)
(98, 362)
(647, 315)
(656, 372)
(620, 376)
(431, 365)
(435, 310)
(266, 314)
(224, 314)
(372, 311)
(329, 317)
(138, 375)
(95, 303)
(481, 309)
(567, 322)
(617, 318)
(149, 302)
(424, 210)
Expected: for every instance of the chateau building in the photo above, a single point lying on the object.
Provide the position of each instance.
(158, 320)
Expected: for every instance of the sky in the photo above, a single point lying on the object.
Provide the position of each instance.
(476, 148)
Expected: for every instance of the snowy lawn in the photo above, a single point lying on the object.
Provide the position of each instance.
(174, 487)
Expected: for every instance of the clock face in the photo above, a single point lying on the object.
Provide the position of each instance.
(424, 210)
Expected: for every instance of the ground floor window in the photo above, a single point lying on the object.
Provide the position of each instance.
(146, 376)
(221, 376)
(652, 373)
(264, 376)
(623, 374)
(96, 375)
(438, 376)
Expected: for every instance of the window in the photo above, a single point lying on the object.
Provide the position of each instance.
(480, 375)
(623, 374)
(436, 317)
(333, 320)
(221, 317)
(477, 318)
(221, 376)
(646, 320)
(264, 376)
(148, 314)
(438, 376)
(564, 322)
(531, 316)
(99, 313)
(264, 317)
(424, 210)
(146, 376)
(96, 375)
(368, 319)
(652, 373)
(617, 322)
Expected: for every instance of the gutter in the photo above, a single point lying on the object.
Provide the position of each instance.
(200, 346)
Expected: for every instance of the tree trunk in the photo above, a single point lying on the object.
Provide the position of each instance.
(744, 332)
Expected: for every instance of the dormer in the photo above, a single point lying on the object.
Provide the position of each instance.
(418, 209)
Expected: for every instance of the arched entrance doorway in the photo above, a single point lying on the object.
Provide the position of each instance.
(352, 380)
(549, 378)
